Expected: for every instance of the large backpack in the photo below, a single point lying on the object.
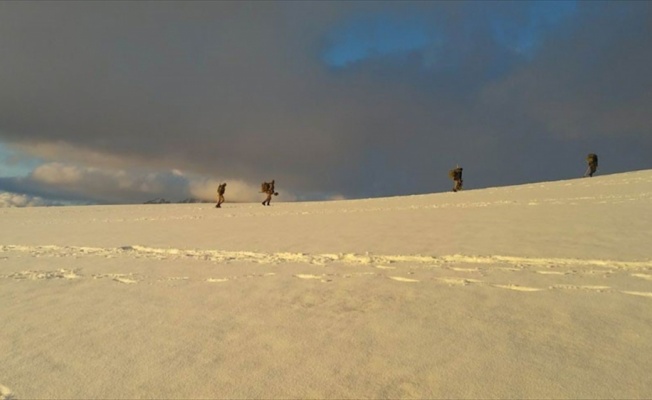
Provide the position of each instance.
(592, 158)
(455, 173)
(264, 187)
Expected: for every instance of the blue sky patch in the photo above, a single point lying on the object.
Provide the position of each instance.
(373, 36)
(379, 35)
(15, 165)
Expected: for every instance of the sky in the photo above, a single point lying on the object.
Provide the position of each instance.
(123, 102)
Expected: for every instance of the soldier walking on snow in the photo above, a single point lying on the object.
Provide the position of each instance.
(456, 176)
(592, 160)
(220, 195)
(268, 188)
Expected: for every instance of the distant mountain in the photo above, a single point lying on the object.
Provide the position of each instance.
(164, 201)
(157, 201)
(191, 200)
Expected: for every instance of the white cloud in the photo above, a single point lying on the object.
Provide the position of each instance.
(57, 173)
(20, 200)
(107, 184)
(59, 180)
(72, 153)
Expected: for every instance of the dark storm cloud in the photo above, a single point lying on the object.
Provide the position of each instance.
(591, 78)
(250, 90)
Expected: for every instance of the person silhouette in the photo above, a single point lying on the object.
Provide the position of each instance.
(220, 195)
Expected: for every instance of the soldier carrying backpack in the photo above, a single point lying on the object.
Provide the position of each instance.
(220, 195)
(268, 188)
(592, 160)
(456, 175)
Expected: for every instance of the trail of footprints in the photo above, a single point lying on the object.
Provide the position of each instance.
(500, 272)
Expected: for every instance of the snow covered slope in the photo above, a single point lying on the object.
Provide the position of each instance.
(539, 290)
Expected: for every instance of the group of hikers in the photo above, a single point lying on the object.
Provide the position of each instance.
(266, 187)
(455, 174)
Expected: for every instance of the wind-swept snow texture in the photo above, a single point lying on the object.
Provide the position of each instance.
(533, 291)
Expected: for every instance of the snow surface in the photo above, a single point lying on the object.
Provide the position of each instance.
(533, 291)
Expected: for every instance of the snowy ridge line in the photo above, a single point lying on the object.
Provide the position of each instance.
(222, 256)
(361, 206)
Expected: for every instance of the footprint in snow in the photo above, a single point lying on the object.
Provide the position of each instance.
(121, 278)
(643, 294)
(321, 278)
(518, 288)
(217, 280)
(402, 279)
(5, 393)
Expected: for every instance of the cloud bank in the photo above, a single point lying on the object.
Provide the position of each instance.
(21, 200)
